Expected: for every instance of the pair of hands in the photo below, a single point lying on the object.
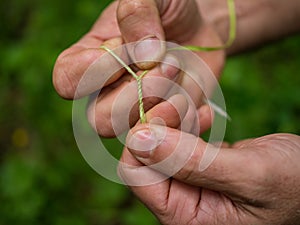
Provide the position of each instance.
(252, 182)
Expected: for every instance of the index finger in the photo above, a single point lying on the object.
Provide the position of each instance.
(74, 61)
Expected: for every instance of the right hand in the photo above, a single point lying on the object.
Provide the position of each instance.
(253, 182)
(126, 21)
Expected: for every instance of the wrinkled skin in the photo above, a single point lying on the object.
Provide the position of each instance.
(128, 21)
(253, 182)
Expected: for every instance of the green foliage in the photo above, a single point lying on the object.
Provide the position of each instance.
(43, 177)
(262, 90)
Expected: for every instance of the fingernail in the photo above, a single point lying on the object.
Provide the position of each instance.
(142, 143)
(148, 51)
(170, 67)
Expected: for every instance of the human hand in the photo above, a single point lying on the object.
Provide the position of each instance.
(127, 21)
(253, 182)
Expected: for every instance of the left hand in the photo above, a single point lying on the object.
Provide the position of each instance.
(252, 182)
(127, 21)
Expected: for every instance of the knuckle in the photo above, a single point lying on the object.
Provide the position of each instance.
(268, 176)
(263, 174)
(129, 9)
(185, 174)
(190, 171)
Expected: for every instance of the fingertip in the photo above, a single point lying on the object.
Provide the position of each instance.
(206, 117)
(141, 142)
(170, 67)
(62, 84)
(189, 124)
(148, 52)
(180, 102)
(169, 113)
(69, 70)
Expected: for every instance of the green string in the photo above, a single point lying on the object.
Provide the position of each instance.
(140, 96)
(138, 78)
(231, 38)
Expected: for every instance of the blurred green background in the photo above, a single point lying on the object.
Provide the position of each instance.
(43, 177)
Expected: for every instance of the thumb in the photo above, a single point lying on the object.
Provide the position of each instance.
(189, 159)
(139, 21)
